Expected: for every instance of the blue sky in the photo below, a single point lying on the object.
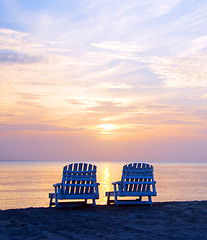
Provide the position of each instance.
(108, 71)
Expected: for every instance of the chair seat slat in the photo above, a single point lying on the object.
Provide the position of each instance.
(79, 172)
(144, 182)
(80, 185)
(137, 170)
(78, 178)
(138, 176)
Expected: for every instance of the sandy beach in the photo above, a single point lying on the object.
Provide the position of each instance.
(170, 220)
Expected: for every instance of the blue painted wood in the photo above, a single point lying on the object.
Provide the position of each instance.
(137, 181)
(78, 182)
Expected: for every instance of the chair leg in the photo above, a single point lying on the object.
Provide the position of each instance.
(116, 199)
(150, 200)
(56, 200)
(94, 202)
(115, 196)
(56, 197)
(51, 198)
(85, 201)
(108, 199)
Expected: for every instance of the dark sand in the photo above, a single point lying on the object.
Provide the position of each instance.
(172, 220)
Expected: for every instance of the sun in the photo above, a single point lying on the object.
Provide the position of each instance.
(107, 128)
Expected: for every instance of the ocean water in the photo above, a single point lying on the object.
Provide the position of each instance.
(28, 183)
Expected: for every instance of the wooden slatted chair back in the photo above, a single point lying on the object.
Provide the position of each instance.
(79, 179)
(138, 177)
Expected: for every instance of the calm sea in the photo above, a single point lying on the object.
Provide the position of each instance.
(27, 183)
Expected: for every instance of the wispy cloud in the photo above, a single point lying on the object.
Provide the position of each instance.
(201, 96)
(35, 127)
(119, 46)
(13, 57)
(180, 72)
(160, 8)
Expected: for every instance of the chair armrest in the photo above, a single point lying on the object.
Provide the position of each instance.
(57, 185)
(118, 182)
(98, 183)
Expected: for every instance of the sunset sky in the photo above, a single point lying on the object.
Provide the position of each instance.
(103, 80)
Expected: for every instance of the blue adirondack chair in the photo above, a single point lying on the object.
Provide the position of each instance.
(137, 181)
(78, 182)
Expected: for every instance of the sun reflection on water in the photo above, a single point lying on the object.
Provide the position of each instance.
(105, 179)
(107, 173)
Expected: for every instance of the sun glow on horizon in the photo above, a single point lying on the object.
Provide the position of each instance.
(107, 128)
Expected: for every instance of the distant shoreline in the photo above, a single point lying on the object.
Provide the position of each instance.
(164, 220)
